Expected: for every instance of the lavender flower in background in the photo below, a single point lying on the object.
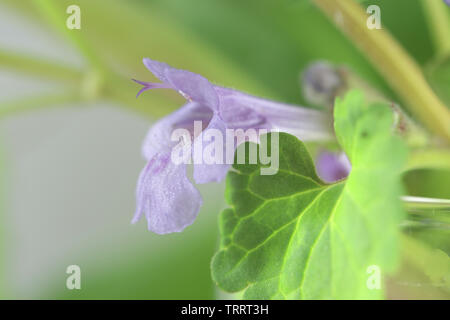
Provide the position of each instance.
(332, 166)
(164, 194)
(321, 83)
(447, 2)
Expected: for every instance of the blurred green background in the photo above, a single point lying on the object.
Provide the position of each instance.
(259, 47)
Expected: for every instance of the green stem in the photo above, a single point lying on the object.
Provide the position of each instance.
(393, 62)
(119, 90)
(42, 68)
(38, 102)
(55, 15)
(436, 13)
(429, 158)
(88, 88)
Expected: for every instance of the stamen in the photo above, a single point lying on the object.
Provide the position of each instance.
(150, 85)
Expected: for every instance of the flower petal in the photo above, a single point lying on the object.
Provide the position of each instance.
(332, 166)
(166, 196)
(306, 124)
(238, 115)
(150, 85)
(157, 68)
(193, 87)
(158, 137)
(216, 172)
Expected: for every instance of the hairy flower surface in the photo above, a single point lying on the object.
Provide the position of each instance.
(164, 194)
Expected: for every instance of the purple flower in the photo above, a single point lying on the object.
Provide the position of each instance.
(332, 166)
(447, 2)
(321, 83)
(164, 194)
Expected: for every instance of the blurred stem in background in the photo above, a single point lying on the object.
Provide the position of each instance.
(84, 86)
(34, 66)
(55, 15)
(93, 84)
(394, 63)
(430, 158)
(39, 102)
(49, 70)
(438, 20)
(97, 82)
(114, 55)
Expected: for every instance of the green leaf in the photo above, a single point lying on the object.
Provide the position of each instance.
(292, 236)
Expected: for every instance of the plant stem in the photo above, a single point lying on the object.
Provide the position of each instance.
(437, 15)
(429, 158)
(38, 102)
(41, 68)
(86, 85)
(55, 16)
(393, 62)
